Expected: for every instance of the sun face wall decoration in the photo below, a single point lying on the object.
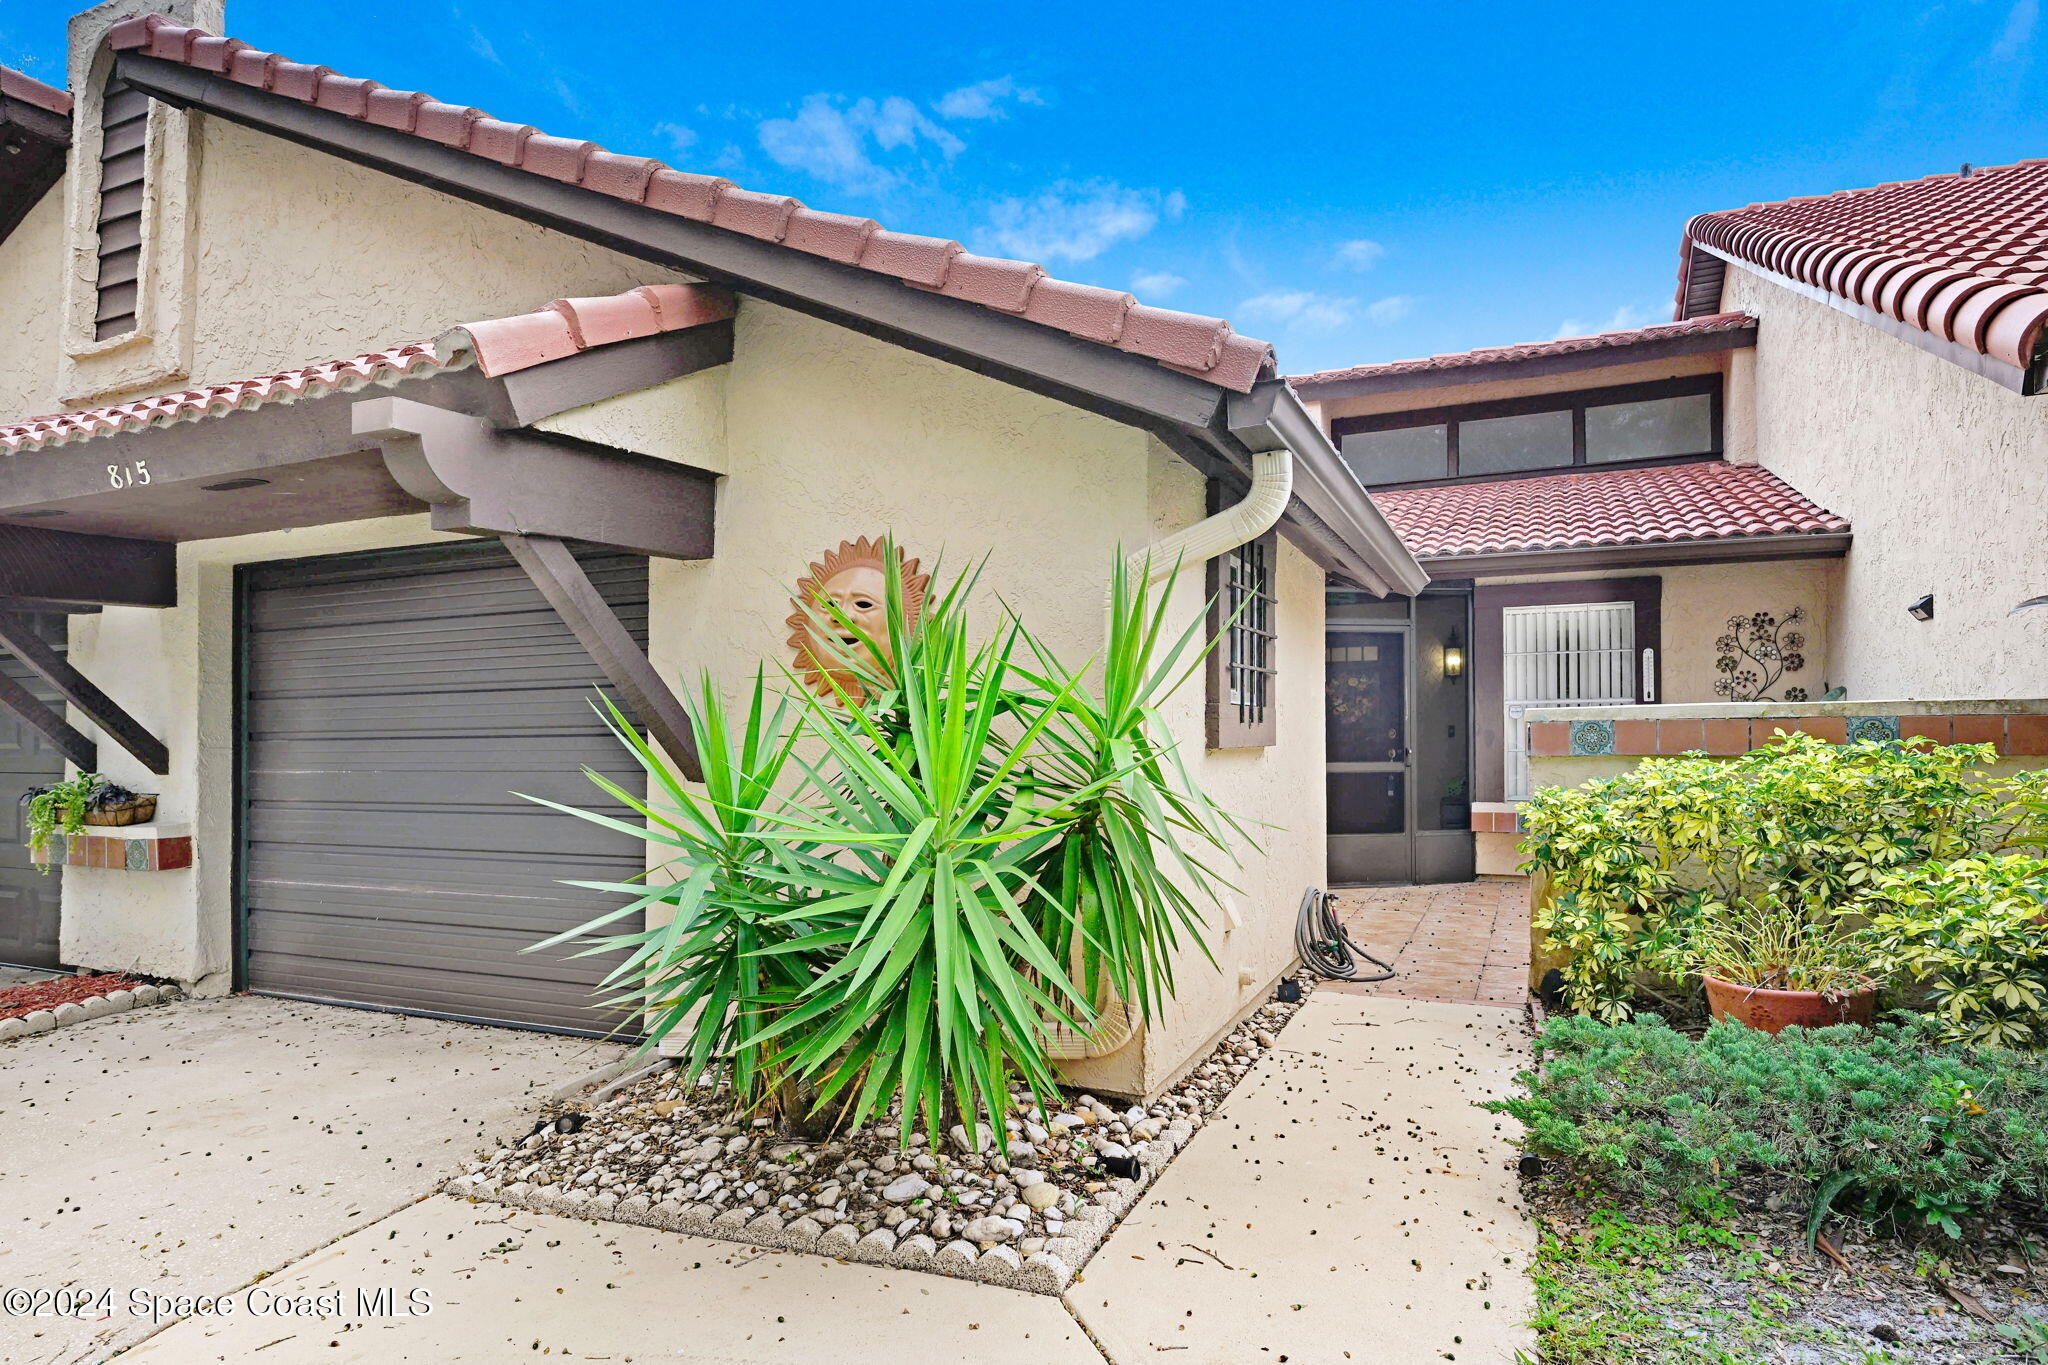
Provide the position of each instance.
(854, 578)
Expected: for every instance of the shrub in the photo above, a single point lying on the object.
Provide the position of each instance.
(891, 893)
(1971, 933)
(1915, 1128)
(1634, 861)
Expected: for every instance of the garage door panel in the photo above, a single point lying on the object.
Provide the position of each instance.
(329, 780)
(392, 705)
(486, 710)
(427, 988)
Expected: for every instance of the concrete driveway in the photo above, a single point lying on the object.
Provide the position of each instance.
(189, 1150)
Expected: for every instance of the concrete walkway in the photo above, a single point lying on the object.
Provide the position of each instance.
(505, 1284)
(1347, 1203)
(190, 1149)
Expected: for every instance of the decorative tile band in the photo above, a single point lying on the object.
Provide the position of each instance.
(2015, 736)
(150, 853)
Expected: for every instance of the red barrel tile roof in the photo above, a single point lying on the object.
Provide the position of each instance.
(1964, 257)
(1201, 346)
(1706, 500)
(16, 85)
(497, 347)
(1531, 350)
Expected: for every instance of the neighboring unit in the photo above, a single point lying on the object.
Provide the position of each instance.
(1665, 515)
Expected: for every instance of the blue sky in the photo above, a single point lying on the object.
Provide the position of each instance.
(1353, 182)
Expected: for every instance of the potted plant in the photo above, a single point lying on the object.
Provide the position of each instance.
(1454, 811)
(1769, 966)
(67, 807)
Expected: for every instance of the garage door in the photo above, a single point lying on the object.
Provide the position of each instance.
(391, 705)
(28, 899)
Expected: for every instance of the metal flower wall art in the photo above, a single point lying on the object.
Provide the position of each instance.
(1758, 653)
(849, 585)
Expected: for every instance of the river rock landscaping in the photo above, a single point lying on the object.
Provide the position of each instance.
(667, 1153)
(39, 1006)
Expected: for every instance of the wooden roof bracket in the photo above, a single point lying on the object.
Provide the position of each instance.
(21, 640)
(535, 492)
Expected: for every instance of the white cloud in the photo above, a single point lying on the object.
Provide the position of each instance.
(1359, 254)
(2018, 32)
(1300, 308)
(985, 99)
(1392, 308)
(679, 138)
(1078, 221)
(835, 141)
(1626, 318)
(1157, 284)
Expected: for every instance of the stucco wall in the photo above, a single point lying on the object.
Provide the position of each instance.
(831, 435)
(1938, 471)
(32, 286)
(303, 257)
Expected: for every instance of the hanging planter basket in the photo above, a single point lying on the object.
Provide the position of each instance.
(139, 810)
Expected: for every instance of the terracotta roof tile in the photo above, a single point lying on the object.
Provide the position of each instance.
(1531, 350)
(1707, 500)
(1964, 257)
(497, 347)
(1202, 346)
(16, 85)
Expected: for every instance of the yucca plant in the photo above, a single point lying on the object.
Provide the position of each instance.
(892, 892)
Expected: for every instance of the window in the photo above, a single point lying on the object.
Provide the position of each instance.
(1399, 455)
(1646, 430)
(1241, 673)
(1570, 654)
(1502, 445)
(1665, 420)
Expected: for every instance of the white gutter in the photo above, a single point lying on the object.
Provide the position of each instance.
(1244, 520)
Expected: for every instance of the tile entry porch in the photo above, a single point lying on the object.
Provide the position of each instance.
(1464, 942)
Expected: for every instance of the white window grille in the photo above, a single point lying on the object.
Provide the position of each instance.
(1581, 654)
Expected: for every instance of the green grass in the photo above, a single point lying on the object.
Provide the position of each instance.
(1608, 1294)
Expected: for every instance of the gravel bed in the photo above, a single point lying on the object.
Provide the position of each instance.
(39, 1006)
(670, 1154)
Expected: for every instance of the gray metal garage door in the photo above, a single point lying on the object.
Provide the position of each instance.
(391, 703)
(28, 899)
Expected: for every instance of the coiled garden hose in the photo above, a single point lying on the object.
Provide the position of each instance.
(1324, 947)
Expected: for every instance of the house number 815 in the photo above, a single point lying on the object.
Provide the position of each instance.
(127, 475)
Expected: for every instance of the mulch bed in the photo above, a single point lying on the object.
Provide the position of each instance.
(17, 1001)
(1864, 1294)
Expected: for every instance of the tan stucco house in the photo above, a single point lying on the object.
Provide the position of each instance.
(1828, 476)
(594, 417)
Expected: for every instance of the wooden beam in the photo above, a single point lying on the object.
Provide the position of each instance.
(484, 481)
(80, 751)
(20, 637)
(554, 570)
(65, 566)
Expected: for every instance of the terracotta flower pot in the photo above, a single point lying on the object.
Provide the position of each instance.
(1769, 1010)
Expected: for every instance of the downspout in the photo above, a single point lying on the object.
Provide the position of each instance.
(1250, 517)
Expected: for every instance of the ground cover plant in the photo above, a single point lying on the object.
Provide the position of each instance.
(887, 894)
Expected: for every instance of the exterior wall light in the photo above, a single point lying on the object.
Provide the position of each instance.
(1923, 610)
(1454, 657)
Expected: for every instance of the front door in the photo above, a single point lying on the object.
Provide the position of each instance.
(1365, 680)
